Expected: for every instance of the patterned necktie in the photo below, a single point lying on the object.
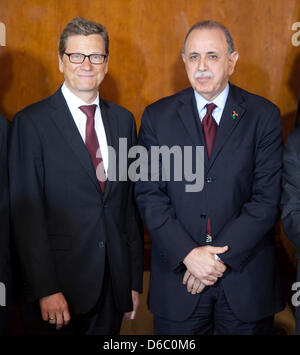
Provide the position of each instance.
(92, 144)
(209, 126)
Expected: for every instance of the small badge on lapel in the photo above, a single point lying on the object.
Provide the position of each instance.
(234, 115)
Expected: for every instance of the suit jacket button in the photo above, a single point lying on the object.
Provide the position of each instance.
(100, 244)
(203, 215)
(209, 180)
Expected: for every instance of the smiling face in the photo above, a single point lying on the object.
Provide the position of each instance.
(84, 79)
(207, 62)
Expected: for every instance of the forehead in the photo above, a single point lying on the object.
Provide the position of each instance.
(206, 40)
(92, 42)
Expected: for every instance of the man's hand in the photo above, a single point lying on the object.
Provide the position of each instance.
(201, 263)
(193, 285)
(55, 310)
(135, 301)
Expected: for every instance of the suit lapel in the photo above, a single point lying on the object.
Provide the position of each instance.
(63, 119)
(190, 119)
(189, 116)
(112, 135)
(228, 121)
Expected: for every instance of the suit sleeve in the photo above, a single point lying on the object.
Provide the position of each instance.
(26, 171)
(135, 232)
(245, 234)
(4, 200)
(290, 200)
(155, 207)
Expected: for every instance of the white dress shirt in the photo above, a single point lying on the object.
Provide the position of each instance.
(80, 118)
(220, 101)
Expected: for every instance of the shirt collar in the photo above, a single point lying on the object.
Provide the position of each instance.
(220, 100)
(74, 101)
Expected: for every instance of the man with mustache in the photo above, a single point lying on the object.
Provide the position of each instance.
(77, 233)
(214, 269)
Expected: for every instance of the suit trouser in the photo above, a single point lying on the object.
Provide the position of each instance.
(297, 329)
(103, 319)
(212, 315)
(6, 301)
(6, 317)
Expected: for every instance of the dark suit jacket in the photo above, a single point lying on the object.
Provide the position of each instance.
(240, 195)
(290, 199)
(5, 262)
(297, 119)
(64, 226)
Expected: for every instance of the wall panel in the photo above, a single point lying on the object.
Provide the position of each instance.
(146, 38)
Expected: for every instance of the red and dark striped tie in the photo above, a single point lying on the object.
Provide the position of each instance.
(209, 126)
(92, 144)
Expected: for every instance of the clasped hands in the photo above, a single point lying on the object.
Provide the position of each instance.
(202, 268)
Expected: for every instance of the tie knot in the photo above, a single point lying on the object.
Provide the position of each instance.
(210, 108)
(88, 110)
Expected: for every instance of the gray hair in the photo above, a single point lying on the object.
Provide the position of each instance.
(81, 26)
(209, 25)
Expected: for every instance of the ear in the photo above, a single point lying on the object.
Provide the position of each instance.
(60, 64)
(233, 58)
(106, 65)
(183, 57)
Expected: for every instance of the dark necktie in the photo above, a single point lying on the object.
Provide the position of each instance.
(92, 144)
(209, 126)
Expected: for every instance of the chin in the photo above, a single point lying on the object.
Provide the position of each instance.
(86, 87)
(203, 91)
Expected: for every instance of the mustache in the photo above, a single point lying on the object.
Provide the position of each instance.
(203, 74)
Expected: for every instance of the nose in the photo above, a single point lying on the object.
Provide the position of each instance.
(86, 64)
(202, 63)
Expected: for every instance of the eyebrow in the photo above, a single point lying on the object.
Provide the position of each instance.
(209, 52)
(84, 53)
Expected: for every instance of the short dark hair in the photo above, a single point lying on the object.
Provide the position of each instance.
(81, 26)
(211, 24)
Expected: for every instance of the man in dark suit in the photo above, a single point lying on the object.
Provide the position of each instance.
(213, 266)
(76, 230)
(297, 119)
(5, 262)
(290, 198)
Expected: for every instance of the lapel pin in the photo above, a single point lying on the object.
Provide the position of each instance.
(234, 115)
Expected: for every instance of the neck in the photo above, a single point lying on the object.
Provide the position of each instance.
(87, 96)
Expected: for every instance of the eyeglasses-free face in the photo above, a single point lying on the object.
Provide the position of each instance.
(207, 61)
(83, 77)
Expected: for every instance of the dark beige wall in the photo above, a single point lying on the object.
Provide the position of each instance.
(146, 38)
